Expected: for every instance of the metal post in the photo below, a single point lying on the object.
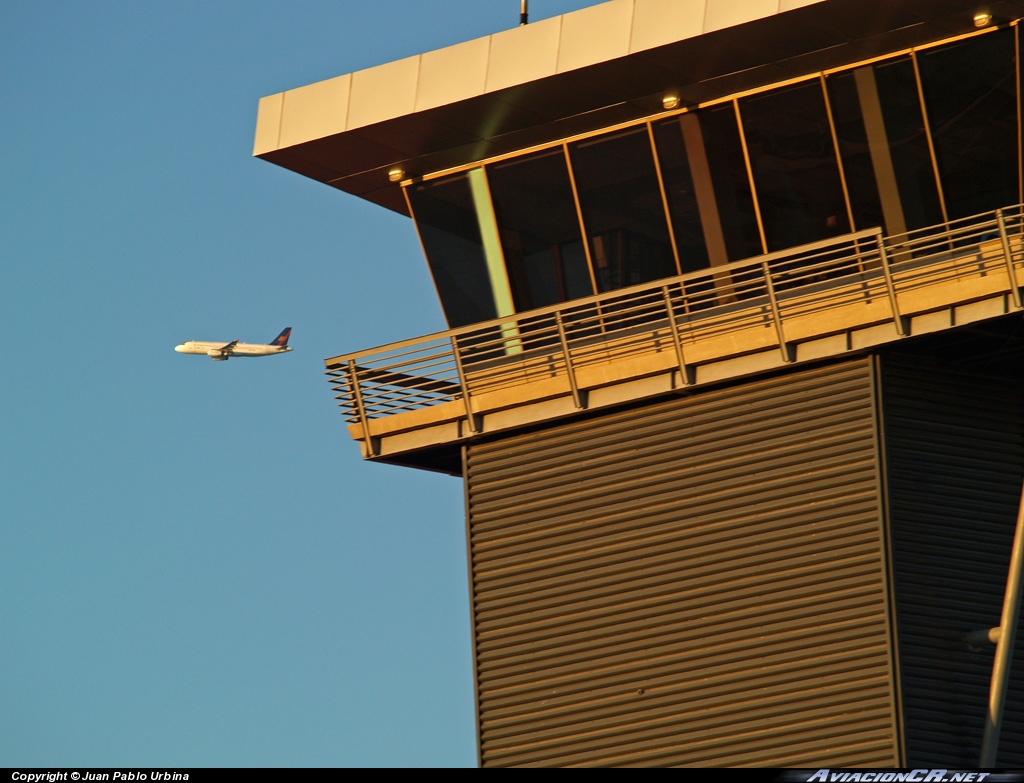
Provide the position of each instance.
(1014, 290)
(1004, 647)
(462, 383)
(568, 360)
(896, 317)
(524, 14)
(353, 379)
(684, 373)
(776, 315)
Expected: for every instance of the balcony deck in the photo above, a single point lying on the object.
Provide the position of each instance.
(844, 295)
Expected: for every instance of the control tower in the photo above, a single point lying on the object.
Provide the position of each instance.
(734, 369)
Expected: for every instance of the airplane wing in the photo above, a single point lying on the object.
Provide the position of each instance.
(229, 348)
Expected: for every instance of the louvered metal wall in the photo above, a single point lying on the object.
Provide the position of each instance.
(697, 582)
(955, 461)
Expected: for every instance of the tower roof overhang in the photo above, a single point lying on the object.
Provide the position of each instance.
(594, 68)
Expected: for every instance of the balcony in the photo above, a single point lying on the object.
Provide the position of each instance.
(808, 303)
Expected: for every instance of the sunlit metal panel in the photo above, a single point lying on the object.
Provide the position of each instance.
(699, 582)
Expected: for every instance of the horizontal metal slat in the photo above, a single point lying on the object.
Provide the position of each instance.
(764, 735)
(660, 562)
(720, 484)
(494, 670)
(840, 649)
(833, 436)
(690, 683)
(759, 403)
(953, 441)
(774, 711)
(724, 549)
(624, 630)
(664, 532)
(810, 565)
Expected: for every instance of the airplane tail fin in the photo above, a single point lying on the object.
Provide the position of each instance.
(282, 339)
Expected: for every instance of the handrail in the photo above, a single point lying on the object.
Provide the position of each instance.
(764, 292)
(597, 298)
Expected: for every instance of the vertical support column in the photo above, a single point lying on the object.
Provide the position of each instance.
(838, 153)
(684, 371)
(1004, 647)
(470, 417)
(579, 216)
(707, 202)
(928, 137)
(664, 198)
(878, 147)
(1005, 239)
(494, 256)
(889, 287)
(1020, 117)
(704, 189)
(584, 237)
(353, 379)
(750, 175)
(776, 314)
(577, 401)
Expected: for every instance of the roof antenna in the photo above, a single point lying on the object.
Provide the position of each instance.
(523, 12)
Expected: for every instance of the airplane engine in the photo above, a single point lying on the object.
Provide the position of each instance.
(217, 356)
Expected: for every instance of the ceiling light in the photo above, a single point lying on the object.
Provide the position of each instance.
(396, 174)
(670, 101)
(982, 19)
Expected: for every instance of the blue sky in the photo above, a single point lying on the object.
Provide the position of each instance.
(198, 568)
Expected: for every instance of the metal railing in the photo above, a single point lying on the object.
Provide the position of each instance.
(768, 292)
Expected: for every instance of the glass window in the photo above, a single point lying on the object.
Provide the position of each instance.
(721, 139)
(456, 225)
(855, 153)
(622, 209)
(908, 142)
(884, 147)
(507, 238)
(793, 160)
(681, 191)
(970, 89)
(539, 229)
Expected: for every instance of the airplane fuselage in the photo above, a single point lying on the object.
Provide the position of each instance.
(221, 352)
(240, 349)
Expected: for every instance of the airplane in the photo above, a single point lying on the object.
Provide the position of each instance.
(221, 352)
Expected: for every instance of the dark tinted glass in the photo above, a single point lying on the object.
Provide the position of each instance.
(854, 152)
(450, 231)
(794, 163)
(622, 209)
(681, 195)
(970, 89)
(732, 185)
(908, 143)
(539, 229)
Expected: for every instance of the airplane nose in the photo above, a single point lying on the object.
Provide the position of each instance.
(179, 348)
